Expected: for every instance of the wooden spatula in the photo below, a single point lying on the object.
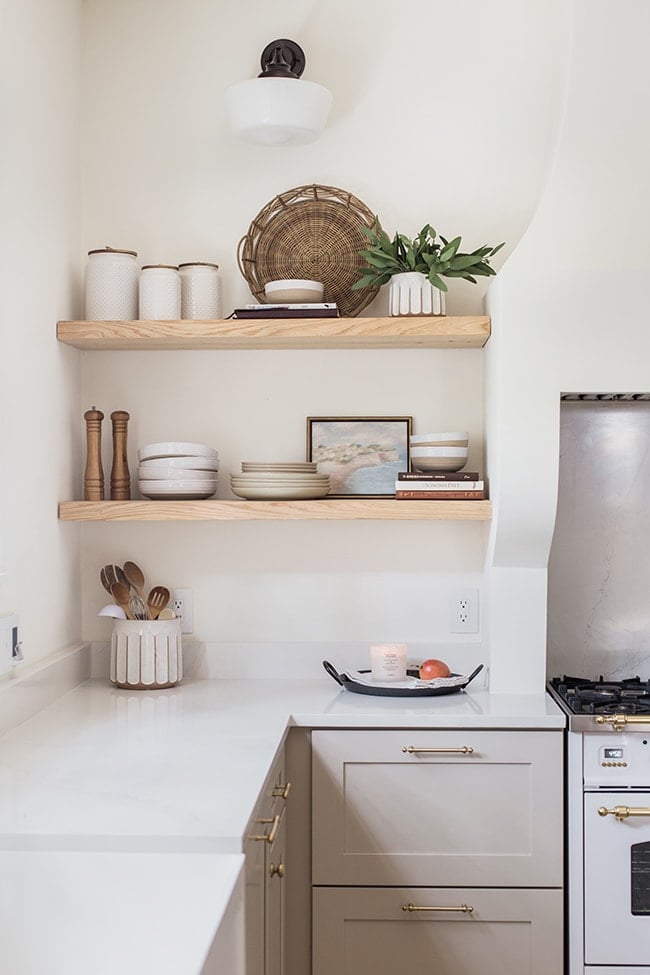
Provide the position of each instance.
(157, 600)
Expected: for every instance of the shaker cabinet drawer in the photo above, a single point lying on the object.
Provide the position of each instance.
(470, 808)
(453, 932)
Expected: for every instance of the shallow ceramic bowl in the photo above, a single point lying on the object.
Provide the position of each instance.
(453, 439)
(184, 463)
(176, 448)
(176, 474)
(288, 291)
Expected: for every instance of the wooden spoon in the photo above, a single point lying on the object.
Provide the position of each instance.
(135, 577)
(157, 600)
(122, 597)
(110, 574)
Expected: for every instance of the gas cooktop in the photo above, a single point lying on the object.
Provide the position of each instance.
(582, 696)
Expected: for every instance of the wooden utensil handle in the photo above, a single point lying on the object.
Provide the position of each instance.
(120, 479)
(94, 474)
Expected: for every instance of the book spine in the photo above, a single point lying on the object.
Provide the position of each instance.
(440, 486)
(438, 476)
(440, 495)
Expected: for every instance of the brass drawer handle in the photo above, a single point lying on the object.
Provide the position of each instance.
(460, 909)
(272, 833)
(281, 791)
(463, 750)
(622, 812)
(618, 721)
(276, 870)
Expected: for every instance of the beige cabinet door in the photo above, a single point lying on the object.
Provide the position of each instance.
(275, 902)
(470, 808)
(359, 931)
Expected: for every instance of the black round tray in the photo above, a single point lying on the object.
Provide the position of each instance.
(351, 685)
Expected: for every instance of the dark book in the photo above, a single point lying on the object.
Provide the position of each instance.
(438, 476)
(325, 310)
(415, 495)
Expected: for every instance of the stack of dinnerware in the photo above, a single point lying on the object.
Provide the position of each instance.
(439, 451)
(176, 471)
(281, 481)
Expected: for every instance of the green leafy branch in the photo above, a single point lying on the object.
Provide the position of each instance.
(431, 254)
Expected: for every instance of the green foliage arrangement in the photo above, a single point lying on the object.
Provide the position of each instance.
(432, 254)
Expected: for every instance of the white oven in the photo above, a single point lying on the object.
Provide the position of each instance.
(616, 844)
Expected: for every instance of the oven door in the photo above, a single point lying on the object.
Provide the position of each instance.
(617, 878)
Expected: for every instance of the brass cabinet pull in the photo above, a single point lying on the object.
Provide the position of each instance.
(276, 870)
(460, 909)
(622, 812)
(618, 721)
(463, 750)
(281, 791)
(272, 833)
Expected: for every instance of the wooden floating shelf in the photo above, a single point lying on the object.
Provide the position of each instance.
(333, 509)
(443, 332)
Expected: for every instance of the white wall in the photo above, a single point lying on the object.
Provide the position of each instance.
(443, 113)
(39, 267)
(569, 314)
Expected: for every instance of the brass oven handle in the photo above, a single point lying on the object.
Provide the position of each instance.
(618, 721)
(460, 909)
(463, 750)
(272, 833)
(622, 812)
(281, 791)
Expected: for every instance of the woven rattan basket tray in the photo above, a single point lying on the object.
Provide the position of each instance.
(310, 232)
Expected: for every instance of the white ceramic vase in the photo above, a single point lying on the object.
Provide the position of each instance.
(410, 293)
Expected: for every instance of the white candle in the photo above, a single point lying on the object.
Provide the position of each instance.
(388, 661)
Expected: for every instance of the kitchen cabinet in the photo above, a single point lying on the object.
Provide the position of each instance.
(445, 332)
(455, 837)
(264, 849)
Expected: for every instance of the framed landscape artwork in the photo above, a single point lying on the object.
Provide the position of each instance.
(361, 454)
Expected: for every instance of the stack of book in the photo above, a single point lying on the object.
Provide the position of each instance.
(439, 486)
(321, 309)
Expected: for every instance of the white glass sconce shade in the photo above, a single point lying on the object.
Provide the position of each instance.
(278, 108)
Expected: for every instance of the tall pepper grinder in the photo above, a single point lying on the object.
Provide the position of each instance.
(120, 480)
(94, 475)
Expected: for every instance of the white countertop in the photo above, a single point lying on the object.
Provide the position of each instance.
(122, 813)
(180, 770)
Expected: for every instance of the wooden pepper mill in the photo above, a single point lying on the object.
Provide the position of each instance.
(120, 480)
(94, 475)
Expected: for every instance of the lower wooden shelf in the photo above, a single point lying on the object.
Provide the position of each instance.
(333, 509)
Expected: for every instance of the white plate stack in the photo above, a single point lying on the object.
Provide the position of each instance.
(176, 471)
(281, 481)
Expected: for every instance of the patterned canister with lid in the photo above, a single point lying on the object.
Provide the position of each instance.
(160, 292)
(200, 291)
(111, 289)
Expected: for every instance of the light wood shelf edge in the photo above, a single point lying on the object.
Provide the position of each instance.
(443, 332)
(358, 509)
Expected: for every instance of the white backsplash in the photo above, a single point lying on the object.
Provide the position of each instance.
(599, 566)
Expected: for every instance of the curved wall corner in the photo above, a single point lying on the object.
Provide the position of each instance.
(569, 313)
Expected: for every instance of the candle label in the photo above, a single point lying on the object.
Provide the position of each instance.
(388, 661)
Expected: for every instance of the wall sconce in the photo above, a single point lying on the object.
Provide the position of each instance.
(277, 108)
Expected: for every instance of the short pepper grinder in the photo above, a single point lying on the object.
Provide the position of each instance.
(120, 479)
(94, 474)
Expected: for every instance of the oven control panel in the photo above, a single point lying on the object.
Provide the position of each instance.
(621, 762)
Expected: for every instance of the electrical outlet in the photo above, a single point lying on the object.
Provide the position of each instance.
(181, 603)
(463, 611)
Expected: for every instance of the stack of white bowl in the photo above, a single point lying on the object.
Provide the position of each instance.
(281, 481)
(177, 471)
(431, 452)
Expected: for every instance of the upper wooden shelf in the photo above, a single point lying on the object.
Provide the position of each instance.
(335, 509)
(445, 332)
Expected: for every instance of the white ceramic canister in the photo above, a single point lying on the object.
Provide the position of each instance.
(160, 292)
(111, 285)
(200, 291)
(146, 654)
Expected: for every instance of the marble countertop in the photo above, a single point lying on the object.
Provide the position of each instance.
(122, 813)
(180, 770)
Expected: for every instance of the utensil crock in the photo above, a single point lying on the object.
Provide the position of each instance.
(146, 654)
